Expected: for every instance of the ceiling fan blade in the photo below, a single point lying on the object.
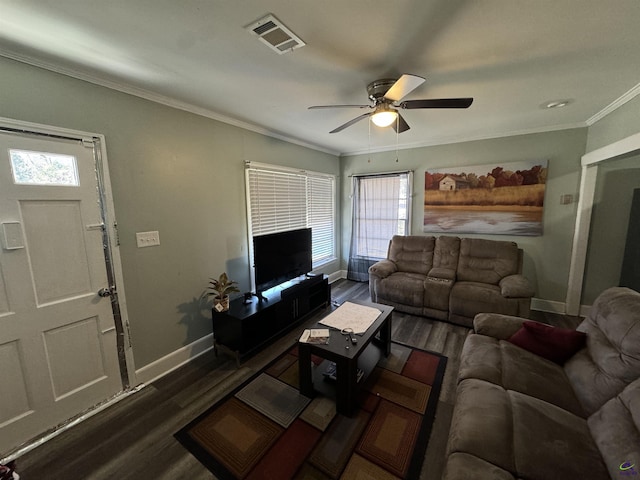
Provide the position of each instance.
(438, 103)
(317, 107)
(350, 122)
(401, 125)
(403, 86)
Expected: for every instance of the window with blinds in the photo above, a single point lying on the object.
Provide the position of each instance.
(280, 199)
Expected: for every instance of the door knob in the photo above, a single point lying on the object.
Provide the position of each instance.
(105, 292)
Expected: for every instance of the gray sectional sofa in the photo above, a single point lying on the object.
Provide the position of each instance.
(451, 278)
(520, 416)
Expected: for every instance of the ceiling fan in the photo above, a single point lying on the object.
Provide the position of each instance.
(386, 95)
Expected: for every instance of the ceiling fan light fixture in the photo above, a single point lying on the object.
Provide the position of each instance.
(384, 118)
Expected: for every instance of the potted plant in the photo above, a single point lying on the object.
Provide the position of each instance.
(220, 289)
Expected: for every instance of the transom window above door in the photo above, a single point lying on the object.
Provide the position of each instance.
(42, 168)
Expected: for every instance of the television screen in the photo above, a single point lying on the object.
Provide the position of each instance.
(281, 256)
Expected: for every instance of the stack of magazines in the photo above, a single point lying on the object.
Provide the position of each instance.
(315, 335)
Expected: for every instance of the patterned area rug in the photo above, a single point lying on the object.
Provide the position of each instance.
(266, 430)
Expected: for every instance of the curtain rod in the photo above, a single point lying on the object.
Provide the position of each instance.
(379, 174)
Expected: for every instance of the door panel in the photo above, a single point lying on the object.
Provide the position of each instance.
(58, 353)
(55, 242)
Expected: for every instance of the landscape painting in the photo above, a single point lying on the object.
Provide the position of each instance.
(502, 199)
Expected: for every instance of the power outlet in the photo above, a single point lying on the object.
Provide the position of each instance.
(147, 239)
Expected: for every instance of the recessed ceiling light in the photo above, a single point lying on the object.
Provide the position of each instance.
(556, 104)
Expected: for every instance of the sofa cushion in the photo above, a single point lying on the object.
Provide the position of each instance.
(615, 427)
(412, 254)
(551, 443)
(553, 343)
(446, 253)
(403, 287)
(523, 435)
(501, 363)
(470, 298)
(487, 261)
(611, 360)
(482, 423)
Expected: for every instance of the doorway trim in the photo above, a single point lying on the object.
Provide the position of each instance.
(622, 148)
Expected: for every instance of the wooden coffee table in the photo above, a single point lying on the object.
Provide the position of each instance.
(364, 355)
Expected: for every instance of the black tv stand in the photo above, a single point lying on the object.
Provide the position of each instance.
(246, 328)
(260, 296)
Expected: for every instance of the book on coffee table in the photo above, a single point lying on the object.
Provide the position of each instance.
(315, 335)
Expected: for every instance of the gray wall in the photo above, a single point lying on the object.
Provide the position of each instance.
(171, 171)
(621, 123)
(547, 257)
(612, 202)
(609, 220)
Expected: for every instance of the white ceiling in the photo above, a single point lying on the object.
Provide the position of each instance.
(512, 56)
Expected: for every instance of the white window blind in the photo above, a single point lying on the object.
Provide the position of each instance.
(278, 201)
(321, 215)
(281, 200)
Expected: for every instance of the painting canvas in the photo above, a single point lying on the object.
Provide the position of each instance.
(504, 199)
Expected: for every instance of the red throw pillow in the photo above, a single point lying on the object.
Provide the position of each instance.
(553, 343)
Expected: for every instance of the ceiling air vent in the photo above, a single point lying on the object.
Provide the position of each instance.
(275, 35)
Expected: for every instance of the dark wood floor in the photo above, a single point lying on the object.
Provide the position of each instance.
(134, 437)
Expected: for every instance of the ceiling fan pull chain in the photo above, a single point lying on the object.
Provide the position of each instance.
(369, 143)
(397, 135)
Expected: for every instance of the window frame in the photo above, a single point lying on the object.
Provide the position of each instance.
(302, 220)
(407, 199)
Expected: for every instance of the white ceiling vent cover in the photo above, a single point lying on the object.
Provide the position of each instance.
(275, 35)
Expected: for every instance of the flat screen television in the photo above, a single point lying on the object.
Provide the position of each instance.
(281, 256)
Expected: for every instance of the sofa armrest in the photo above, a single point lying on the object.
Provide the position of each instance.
(516, 286)
(383, 268)
(497, 325)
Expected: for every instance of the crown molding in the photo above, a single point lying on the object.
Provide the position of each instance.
(471, 138)
(617, 103)
(203, 112)
(161, 99)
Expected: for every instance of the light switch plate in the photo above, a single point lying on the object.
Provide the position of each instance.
(147, 239)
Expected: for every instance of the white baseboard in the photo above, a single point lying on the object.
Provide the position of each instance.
(180, 357)
(335, 276)
(175, 359)
(548, 306)
(551, 306)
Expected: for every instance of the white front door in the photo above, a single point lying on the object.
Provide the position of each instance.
(58, 354)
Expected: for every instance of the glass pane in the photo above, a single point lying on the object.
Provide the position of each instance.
(41, 168)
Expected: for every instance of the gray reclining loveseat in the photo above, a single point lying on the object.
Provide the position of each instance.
(451, 278)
